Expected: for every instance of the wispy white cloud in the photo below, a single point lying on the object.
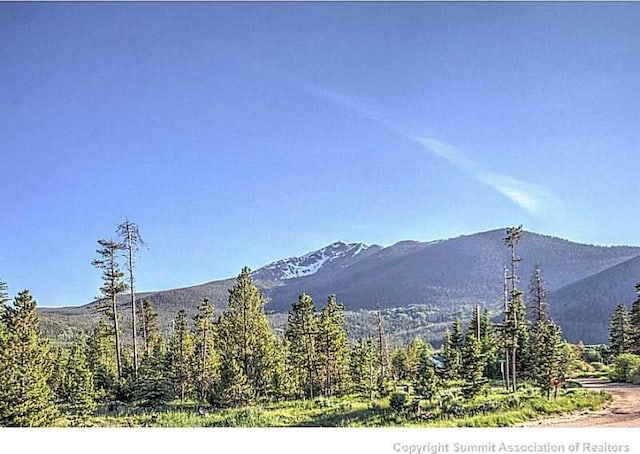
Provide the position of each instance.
(533, 198)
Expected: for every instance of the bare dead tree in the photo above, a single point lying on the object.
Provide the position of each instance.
(132, 241)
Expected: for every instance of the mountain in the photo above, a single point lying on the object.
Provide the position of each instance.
(453, 273)
(422, 286)
(584, 308)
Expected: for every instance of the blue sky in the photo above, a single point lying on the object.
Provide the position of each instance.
(237, 134)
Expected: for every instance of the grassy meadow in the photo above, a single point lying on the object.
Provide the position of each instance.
(495, 408)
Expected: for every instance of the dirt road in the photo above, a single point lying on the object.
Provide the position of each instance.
(622, 411)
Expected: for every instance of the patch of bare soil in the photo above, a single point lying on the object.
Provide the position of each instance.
(622, 411)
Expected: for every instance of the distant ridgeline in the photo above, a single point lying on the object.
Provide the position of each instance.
(420, 287)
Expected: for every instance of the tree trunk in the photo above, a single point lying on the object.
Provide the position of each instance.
(513, 369)
(117, 335)
(133, 299)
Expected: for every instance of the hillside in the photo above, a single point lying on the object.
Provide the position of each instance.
(585, 307)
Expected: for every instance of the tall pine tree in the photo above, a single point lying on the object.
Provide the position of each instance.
(398, 361)
(149, 321)
(364, 365)
(490, 346)
(452, 351)
(207, 361)
(154, 387)
(416, 350)
(426, 381)
(620, 331)
(113, 285)
(181, 350)
(101, 359)
(473, 359)
(517, 337)
(25, 397)
(333, 348)
(546, 348)
(538, 306)
(634, 323)
(79, 392)
(247, 343)
(302, 334)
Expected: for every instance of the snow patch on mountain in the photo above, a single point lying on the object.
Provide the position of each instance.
(311, 263)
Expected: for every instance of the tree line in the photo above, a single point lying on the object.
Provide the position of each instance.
(237, 359)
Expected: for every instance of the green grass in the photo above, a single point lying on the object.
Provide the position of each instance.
(495, 409)
(531, 408)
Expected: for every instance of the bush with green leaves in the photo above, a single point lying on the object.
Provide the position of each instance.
(626, 367)
(398, 401)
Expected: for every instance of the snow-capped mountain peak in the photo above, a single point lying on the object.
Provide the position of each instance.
(309, 264)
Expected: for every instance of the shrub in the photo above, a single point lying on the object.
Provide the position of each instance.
(592, 355)
(398, 400)
(625, 367)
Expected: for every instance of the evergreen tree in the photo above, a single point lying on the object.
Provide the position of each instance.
(302, 334)
(457, 338)
(452, 351)
(246, 338)
(538, 307)
(149, 322)
(153, 386)
(416, 351)
(112, 286)
(473, 366)
(398, 360)
(426, 380)
(59, 361)
(620, 331)
(25, 397)
(79, 392)
(101, 359)
(333, 348)
(474, 328)
(473, 358)
(517, 337)
(546, 343)
(206, 356)
(489, 346)
(634, 323)
(234, 389)
(181, 351)
(282, 385)
(364, 367)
